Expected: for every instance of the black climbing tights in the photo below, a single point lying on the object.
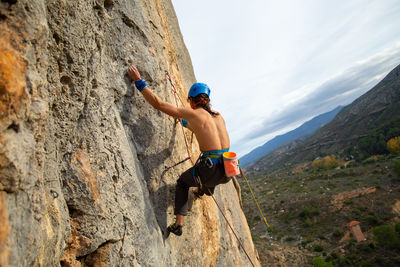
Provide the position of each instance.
(210, 177)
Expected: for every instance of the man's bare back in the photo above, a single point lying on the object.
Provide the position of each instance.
(210, 131)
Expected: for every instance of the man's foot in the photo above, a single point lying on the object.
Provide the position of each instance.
(175, 229)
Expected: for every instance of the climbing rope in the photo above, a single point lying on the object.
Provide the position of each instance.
(230, 226)
(187, 147)
(176, 164)
(255, 200)
(183, 130)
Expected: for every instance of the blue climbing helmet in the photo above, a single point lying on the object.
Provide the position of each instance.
(199, 88)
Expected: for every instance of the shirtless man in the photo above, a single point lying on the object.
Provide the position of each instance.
(211, 134)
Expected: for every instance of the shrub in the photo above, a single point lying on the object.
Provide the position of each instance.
(363, 208)
(349, 202)
(307, 212)
(397, 227)
(279, 237)
(338, 233)
(345, 261)
(396, 167)
(289, 238)
(308, 222)
(318, 248)
(321, 236)
(386, 237)
(255, 238)
(373, 220)
(320, 262)
(366, 263)
(325, 163)
(394, 145)
(335, 255)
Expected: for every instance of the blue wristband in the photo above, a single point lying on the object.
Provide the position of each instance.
(140, 84)
(184, 122)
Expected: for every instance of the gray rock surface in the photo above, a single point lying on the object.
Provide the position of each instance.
(83, 156)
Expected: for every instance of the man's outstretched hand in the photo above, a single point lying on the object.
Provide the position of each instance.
(133, 73)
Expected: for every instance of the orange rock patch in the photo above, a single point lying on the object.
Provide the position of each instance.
(12, 75)
(75, 245)
(5, 229)
(81, 162)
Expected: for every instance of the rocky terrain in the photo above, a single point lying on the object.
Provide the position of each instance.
(83, 156)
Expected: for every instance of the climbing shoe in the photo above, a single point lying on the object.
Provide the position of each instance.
(175, 229)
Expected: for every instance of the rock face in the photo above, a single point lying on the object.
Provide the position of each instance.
(83, 156)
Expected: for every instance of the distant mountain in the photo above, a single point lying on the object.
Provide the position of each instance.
(306, 129)
(373, 110)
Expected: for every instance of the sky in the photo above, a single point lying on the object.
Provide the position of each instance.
(273, 65)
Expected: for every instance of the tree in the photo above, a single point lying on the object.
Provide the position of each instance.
(394, 145)
(325, 163)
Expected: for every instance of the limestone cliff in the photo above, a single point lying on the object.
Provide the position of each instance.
(83, 156)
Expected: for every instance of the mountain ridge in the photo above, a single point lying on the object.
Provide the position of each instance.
(304, 130)
(354, 121)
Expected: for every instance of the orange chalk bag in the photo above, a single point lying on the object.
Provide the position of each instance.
(231, 164)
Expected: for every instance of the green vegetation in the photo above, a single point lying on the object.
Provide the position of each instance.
(320, 262)
(394, 145)
(310, 209)
(338, 233)
(386, 237)
(397, 227)
(308, 212)
(375, 141)
(396, 167)
(326, 163)
(318, 248)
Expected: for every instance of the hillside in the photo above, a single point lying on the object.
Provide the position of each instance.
(83, 157)
(306, 129)
(360, 119)
(309, 211)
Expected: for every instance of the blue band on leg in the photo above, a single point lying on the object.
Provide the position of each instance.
(140, 84)
(184, 122)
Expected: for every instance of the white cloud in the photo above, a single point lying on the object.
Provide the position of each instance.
(273, 64)
(341, 89)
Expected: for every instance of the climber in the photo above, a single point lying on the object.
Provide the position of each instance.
(211, 134)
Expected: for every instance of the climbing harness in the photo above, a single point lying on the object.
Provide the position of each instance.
(209, 154)
(211, 157)
(195, 177)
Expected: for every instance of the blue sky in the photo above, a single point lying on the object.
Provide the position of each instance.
(272, 65)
